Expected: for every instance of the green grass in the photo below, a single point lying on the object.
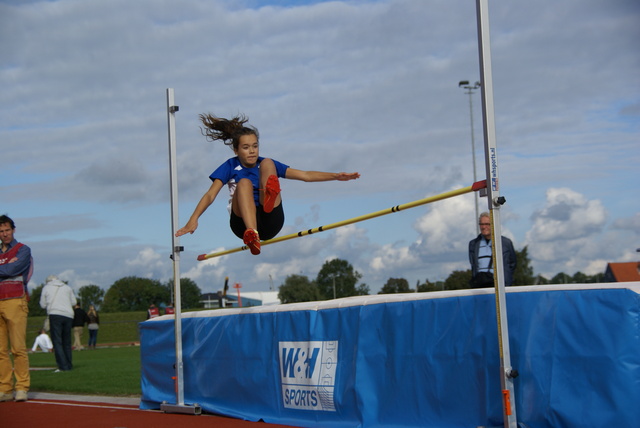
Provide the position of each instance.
(104, 371)
(117, 327)
(108, 370)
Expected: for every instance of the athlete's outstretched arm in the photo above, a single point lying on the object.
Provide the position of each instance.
(312, 176)
(206, 200)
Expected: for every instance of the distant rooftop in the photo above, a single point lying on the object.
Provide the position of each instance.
(622, 272)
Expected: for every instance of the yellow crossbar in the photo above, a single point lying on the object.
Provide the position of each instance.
(475, 187)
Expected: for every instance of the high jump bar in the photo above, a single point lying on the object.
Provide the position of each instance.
(473, 188)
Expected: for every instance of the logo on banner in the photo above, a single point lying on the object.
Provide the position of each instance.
(308, 373)
(494, 170)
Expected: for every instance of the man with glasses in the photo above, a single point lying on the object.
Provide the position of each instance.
(481, 257)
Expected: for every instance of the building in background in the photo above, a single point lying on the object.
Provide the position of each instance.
(622, 272)
(249, 298)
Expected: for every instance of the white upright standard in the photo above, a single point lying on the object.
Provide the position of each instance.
(495, 201)
(176, 249)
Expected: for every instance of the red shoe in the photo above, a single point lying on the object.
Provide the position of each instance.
(252, 240)
(271, 192)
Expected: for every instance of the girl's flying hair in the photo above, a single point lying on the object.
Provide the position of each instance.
(229, 131)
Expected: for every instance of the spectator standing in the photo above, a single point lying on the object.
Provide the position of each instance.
(153, 311)
(93, 326)
(481, 256)
(169, 310)
(58, 299)
(80, 318)
(16, 266)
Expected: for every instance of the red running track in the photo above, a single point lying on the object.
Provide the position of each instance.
(68, 412)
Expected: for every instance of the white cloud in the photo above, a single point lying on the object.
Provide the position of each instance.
(570, 233)
(205, 269)
(630, 223)
(447, 226)
(146, 258)
(393, 259)
(566, 215)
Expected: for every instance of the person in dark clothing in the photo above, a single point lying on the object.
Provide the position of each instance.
(80, 318)
(481, 257)
(94, 325)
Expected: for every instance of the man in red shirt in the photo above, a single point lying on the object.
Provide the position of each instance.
(15, 271)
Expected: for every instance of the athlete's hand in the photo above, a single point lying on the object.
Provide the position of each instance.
(346, 176)
(190, 227)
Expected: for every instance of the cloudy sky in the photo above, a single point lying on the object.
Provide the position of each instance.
(367, 86)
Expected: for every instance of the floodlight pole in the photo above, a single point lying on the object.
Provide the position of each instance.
(495, 201)
(465, 84)
(176, 249)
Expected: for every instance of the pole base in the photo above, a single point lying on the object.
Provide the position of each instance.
(195, 409)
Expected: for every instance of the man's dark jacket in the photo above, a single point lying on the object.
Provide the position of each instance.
(508, 257)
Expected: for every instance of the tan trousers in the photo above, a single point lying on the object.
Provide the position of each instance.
(13, 329)
(77, 338)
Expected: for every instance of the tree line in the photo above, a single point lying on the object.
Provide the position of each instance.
(337, 278)
(127, 294)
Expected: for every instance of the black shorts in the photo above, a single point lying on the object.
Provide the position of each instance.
(269, 225)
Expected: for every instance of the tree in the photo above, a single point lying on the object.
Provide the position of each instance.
(524, 272)
(577, 278)
(561, 278)
(430, 286)
(597, 278)
(458, 280)
(396, 285)
(580, 278)
(540, 280)
(298, 288)
(134, 294)
(362, 290)
(91, 295)
(34, 302)
(338, 279)
(190, 293)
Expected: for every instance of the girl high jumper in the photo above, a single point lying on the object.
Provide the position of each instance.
(255, 203)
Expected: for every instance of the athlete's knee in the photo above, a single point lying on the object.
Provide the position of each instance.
(267, 167)
(244, 184)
